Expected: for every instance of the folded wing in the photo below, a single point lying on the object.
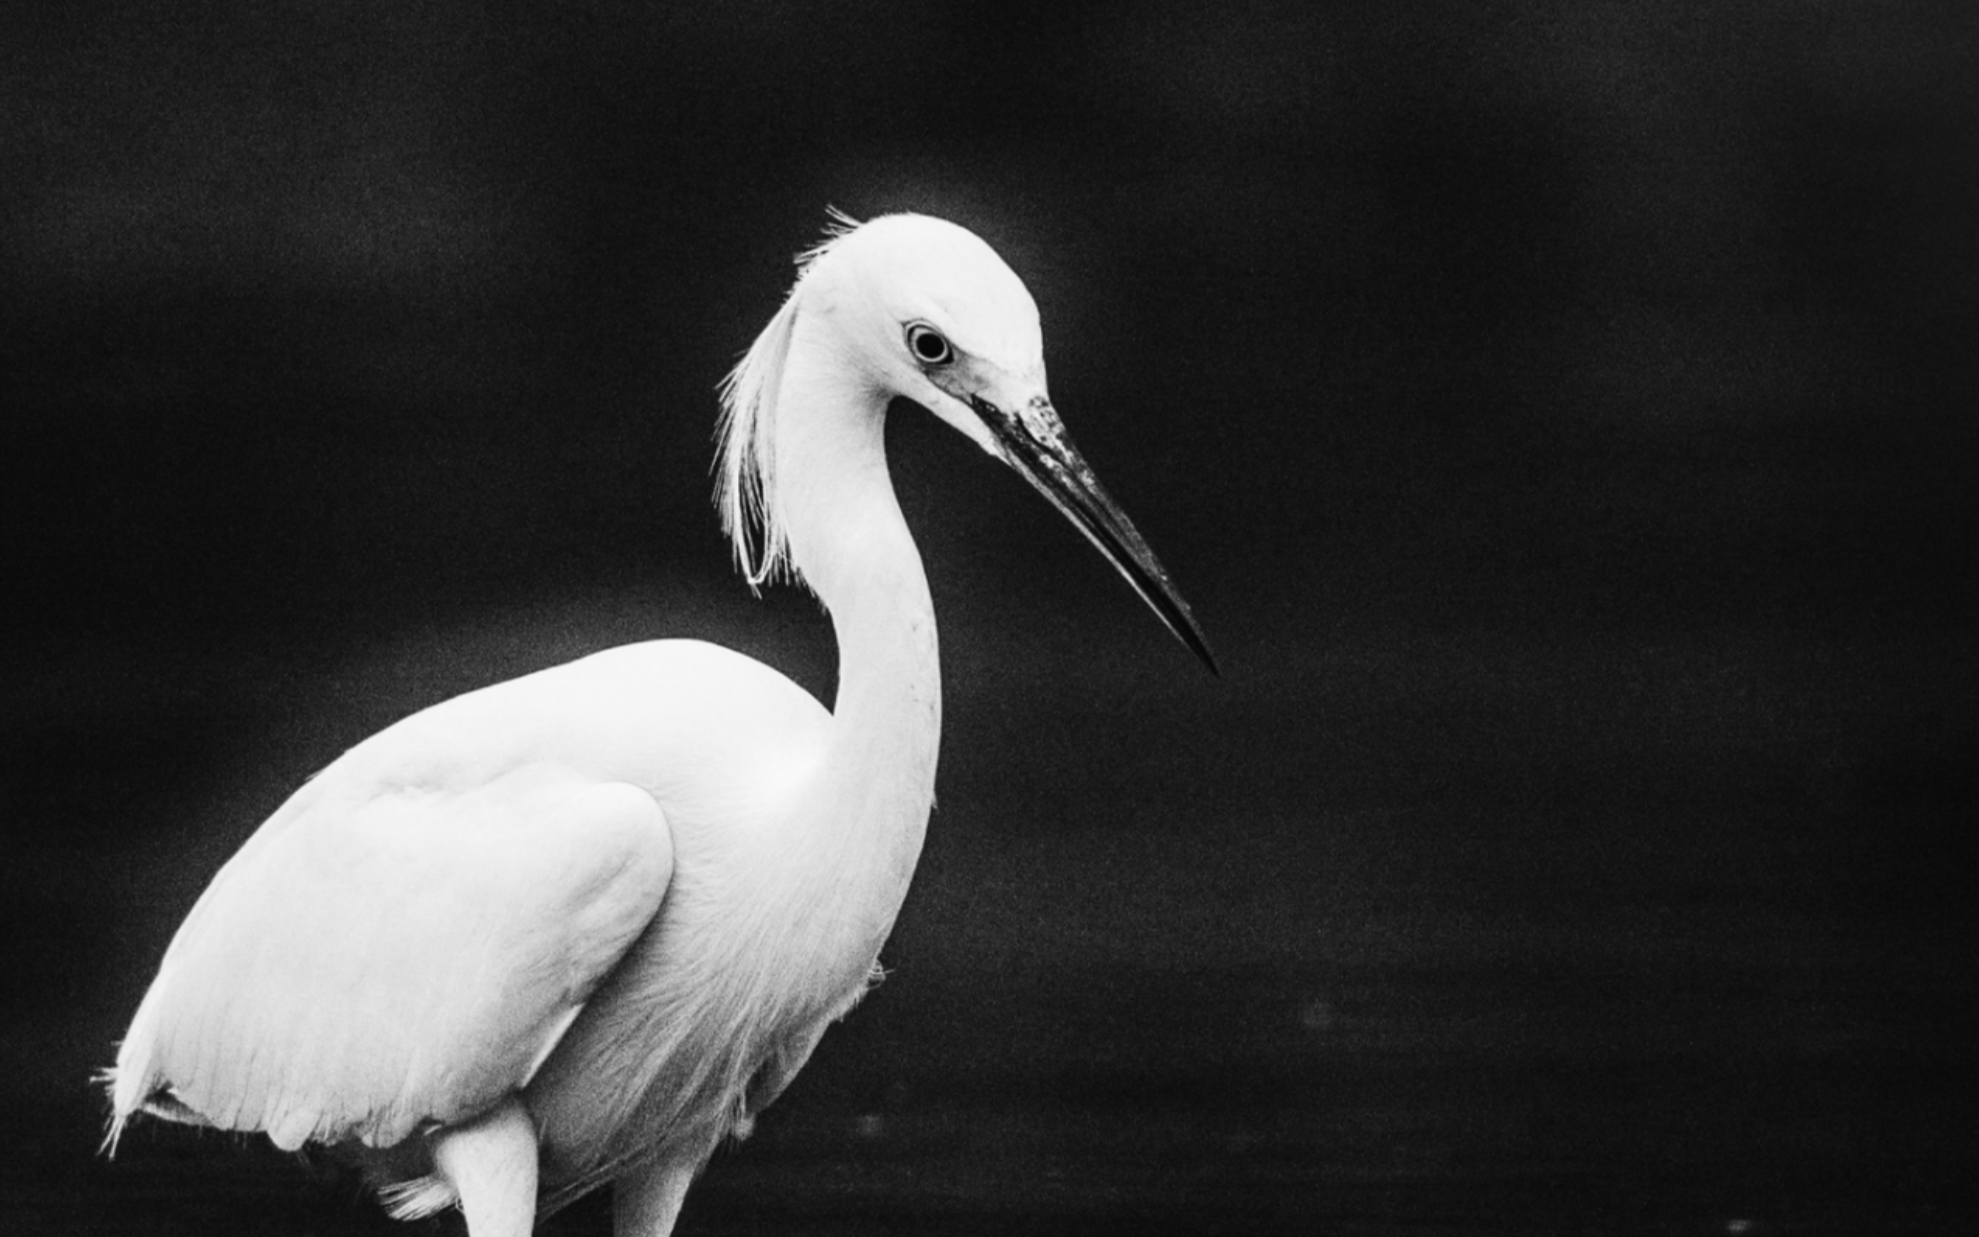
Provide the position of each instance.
(381, 957)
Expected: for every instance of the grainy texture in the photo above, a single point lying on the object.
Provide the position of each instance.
(1556, 415)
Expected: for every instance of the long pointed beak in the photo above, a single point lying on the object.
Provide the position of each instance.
(1034, 442)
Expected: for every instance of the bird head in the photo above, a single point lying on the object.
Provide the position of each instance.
(919, 307)
(933, 314)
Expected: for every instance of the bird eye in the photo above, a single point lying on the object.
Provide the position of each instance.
(928, 345)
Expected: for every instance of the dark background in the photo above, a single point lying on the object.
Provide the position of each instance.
(1561, 417)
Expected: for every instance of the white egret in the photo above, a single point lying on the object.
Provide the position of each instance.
(577, 927)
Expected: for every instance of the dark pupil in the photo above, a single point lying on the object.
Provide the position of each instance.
(930, 346)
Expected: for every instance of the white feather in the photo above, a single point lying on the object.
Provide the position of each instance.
(601, 914)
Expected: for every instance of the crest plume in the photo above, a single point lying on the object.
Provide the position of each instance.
(745, 459)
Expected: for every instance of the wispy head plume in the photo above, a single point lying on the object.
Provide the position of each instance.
(745, 462)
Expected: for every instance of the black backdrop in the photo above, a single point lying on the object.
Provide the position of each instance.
(1560, 416)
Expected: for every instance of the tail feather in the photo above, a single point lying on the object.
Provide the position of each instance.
(128, 1099)
(107, 1079)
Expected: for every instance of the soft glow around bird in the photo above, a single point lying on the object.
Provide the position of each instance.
(577, 928)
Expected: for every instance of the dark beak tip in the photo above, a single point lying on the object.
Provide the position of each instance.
(1193, 638)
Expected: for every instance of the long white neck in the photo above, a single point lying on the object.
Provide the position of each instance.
(850, 542)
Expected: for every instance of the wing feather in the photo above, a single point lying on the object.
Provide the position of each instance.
(381, 956)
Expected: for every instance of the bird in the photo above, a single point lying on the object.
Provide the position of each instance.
(577, 928)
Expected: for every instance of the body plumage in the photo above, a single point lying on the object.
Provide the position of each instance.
(577, 927)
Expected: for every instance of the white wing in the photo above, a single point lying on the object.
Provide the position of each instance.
(386, 953)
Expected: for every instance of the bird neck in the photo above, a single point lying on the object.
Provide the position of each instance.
(849, 540)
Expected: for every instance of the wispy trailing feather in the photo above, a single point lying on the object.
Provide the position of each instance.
(745, 460)
(418, 1198)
